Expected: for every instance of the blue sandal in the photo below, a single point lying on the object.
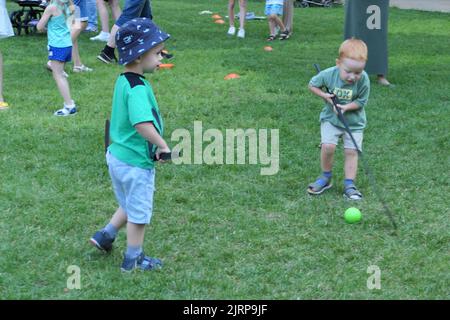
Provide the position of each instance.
(321, 184)
(351, 193)
(142, 262)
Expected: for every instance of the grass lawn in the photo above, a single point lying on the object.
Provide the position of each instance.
(225, 231)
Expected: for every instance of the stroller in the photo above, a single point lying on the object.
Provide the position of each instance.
(28, 16)
(315, 3)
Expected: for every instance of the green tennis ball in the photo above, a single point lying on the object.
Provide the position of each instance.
(352, 215)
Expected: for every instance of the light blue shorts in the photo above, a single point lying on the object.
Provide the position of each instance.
(274, 9)
(134, 188)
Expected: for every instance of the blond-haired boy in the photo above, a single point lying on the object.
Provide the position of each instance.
(350, 84)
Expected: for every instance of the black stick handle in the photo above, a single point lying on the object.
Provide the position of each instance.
(106, 135)
(339, 112)
(166, 156)
(163, 156)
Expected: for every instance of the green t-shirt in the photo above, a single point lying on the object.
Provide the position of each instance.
(357, 92)
(133, 103)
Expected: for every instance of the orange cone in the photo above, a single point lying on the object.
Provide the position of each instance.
(232, 76)
(166, 65)
(268, 48)
(216, 16)
(220, 21)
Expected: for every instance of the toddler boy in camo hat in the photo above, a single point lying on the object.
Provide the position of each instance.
(136, 37)
(136, 131)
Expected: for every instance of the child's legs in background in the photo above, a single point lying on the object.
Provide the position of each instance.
(273, 13)
(271, 27)
(79, 25)
(112, 38)
(115, 9)
(103, 13)
(277, 21)
(75, 31)
(61, 81)
(231, 12)
(242, 13)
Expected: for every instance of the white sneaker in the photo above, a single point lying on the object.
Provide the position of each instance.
(102, 36)
(231, 31)
(241, 33)
(81, 68)
(67, 110)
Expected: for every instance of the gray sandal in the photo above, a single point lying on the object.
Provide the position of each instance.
(351, 193)
(318, 186)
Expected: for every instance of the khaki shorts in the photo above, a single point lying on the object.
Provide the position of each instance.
(330, 134)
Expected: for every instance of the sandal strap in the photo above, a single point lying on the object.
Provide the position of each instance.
(320, 182)
(284, 35)
(351, 190)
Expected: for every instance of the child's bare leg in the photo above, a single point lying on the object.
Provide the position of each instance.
(115, 9)
(103, 13)
(135, 234)
(61, 81)
(327, 156)
(119, 219)
(74, 34)
(326, 161)
(1, 78)
(271, 26)
(112, 38)
(242, 13)
(231, 12)
(351, 164)
(278, 22)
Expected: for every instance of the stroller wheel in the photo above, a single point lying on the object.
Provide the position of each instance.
(328, 3)
(304, 4)
(16, 21)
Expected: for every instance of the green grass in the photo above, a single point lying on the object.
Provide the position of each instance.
(225, 231)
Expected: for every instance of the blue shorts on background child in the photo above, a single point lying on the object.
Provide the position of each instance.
(273, 11)
(274, 7)
(55, 18)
